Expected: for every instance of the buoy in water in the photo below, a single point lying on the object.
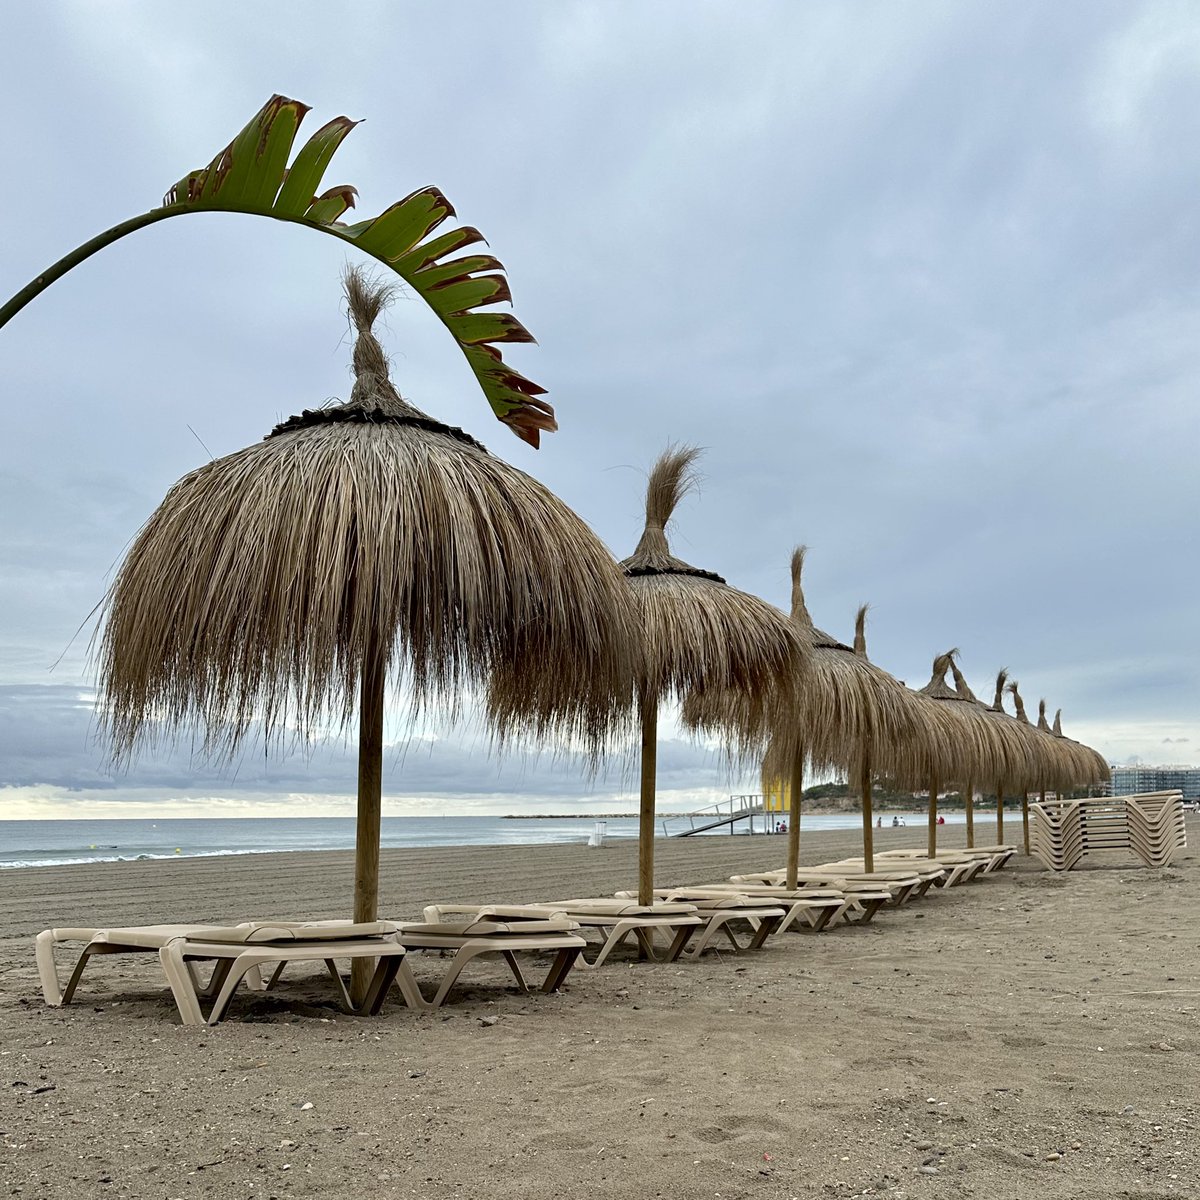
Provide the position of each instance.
(177, 850)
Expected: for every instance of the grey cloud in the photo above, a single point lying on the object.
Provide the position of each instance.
(49, 735)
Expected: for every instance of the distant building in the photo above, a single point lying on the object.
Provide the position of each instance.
(1128, 780)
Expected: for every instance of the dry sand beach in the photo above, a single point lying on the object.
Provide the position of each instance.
(1021, 1036)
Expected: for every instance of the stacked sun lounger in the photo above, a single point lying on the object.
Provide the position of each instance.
(905, 881)
(1150, 824)
(1157, 827)
(614, 921)
(813, 907)
(994, 857)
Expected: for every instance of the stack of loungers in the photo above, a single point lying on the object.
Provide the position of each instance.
(1151, 824)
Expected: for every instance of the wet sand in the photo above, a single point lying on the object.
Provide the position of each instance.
(951, 1048)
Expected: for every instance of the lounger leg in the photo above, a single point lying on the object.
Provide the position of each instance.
(457, 963)
(727, 930)
(825, 915)
(410, 990)
(515, 967)
(88, 951)
(792, 918)
(679, 942)
(216, 981)
(180, 981)
(73, 980)
(647, 947)
(239, 968)
(47, 970)
(336, 976)
(612, 939)
(564, 960)
(769, 926)
(707, 930)
(386, 971)
(44, 956)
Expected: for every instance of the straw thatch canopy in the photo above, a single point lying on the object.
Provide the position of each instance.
(850, 710)
(266, 579)
(976, 748)
(1090, 767)
(700, 637)
(1035, 760)
(359, 542)
(853, 718)
(733, 659)
(1061, 765)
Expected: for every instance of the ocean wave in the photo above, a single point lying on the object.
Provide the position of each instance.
(125, 858)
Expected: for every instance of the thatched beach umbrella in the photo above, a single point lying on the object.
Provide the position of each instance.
(917, 737)
(982, 750)
(1021, 771)
(281, 586)
(701, 641)
(1092, 767)
(1044, 728)
(853, 718)
(1022, 720)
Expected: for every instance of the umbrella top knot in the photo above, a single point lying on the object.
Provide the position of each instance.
(374, 399)
(1001, 681)
(373, 388)
(800, 614)
(1016, 695)
(961, 687)
(937, 688)
(860, 630)
(671, 478)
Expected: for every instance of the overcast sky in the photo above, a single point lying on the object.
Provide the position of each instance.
(922, 278)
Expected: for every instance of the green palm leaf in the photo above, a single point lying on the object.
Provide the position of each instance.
(252, 175)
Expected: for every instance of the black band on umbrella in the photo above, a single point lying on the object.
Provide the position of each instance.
(699, 574)
(312, 417)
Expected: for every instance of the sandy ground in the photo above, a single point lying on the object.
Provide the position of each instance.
(1022, 1036)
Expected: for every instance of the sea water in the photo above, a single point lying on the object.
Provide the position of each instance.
(59, 843)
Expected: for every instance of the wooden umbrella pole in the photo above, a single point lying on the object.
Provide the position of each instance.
(370, 796)
(868, 825)
(999, 814)
(933, 795)
(648, 710)
(795, 793)
(1025, 819)
(970, 799)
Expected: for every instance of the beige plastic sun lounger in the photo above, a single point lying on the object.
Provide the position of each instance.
(857, 904)
(720, 912)
(801, 907)
(993, 857)
(490, 933)
(903, 884)
(236, 952)
(614, 920)
(928, 872)
(960, 866)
